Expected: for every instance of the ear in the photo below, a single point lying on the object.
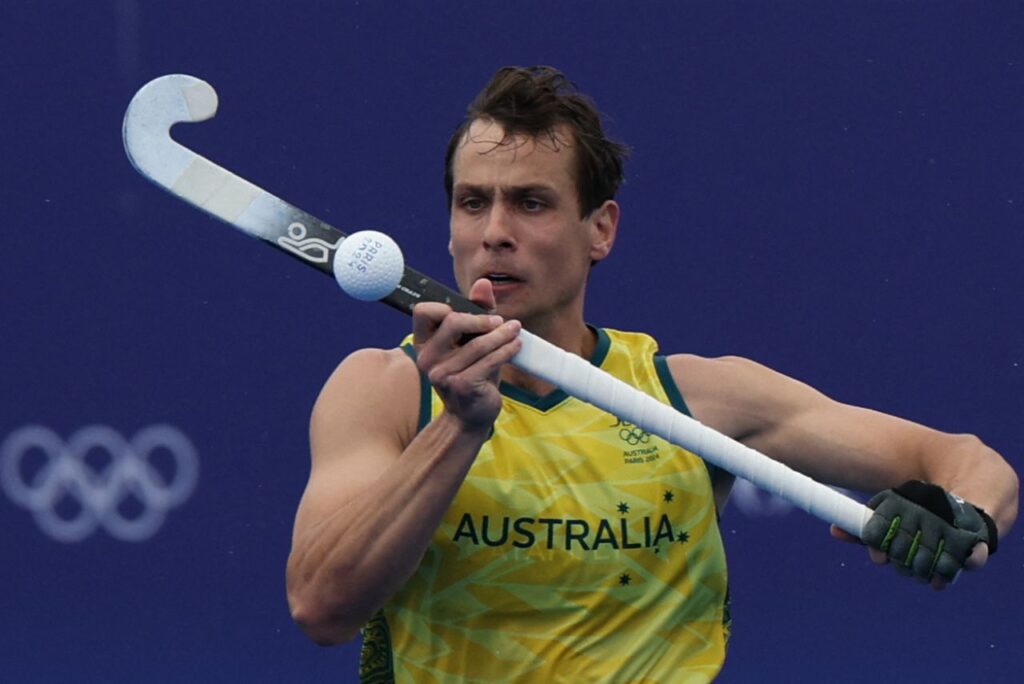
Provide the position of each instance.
(604, 222)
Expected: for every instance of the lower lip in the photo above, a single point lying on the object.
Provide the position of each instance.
(505, 286)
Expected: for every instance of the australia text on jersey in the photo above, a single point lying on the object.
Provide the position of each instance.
(525, 532)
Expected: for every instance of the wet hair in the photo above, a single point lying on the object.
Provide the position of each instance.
(535, 101)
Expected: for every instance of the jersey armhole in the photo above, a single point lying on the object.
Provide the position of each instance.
(425, 391)
(679, 404)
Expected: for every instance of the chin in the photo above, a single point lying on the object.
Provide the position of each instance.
(509, 311)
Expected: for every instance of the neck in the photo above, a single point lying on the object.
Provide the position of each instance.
(576, 339)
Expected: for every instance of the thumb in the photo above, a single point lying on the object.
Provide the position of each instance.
(482, 293)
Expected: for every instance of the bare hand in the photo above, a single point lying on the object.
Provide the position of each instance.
(465, 374)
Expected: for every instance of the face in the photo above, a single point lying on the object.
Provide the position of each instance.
(515, 220)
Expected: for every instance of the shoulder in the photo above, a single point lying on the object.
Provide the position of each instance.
(376, 366)
(697, 371)
(633, 343)
(375, 388)
(735, 395)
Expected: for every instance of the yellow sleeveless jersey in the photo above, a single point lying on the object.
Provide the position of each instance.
(579, 549)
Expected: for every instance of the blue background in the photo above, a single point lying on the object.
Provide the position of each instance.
(833, 189)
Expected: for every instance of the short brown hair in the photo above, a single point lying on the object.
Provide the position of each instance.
(533, 101)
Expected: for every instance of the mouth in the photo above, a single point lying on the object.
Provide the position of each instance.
(499, 279)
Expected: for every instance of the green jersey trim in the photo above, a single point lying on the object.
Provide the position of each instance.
(425, 391)
(676, 397)
(555, 397)
(541, 403)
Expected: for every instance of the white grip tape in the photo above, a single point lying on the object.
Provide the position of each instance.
(589, 383)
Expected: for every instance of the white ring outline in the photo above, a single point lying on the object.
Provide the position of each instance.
(98, 493)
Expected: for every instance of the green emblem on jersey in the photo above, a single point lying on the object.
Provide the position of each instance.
(375, 666)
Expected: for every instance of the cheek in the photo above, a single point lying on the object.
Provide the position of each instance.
(571, 254)
(460, 255)
(460, 250)
(456, 243)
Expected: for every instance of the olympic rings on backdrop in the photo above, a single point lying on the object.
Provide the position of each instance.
(99, 492)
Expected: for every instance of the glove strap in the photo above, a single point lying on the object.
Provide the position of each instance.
(993, 533)
(936, 500)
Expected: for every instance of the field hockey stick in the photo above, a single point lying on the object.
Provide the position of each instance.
(178, 98)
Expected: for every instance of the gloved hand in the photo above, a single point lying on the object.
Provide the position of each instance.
(926, 531)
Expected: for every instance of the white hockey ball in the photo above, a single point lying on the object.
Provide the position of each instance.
(368, 265)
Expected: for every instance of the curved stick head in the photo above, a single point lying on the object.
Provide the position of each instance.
(158, 105)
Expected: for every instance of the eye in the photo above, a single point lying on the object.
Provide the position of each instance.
(532, 204)
(471, 203)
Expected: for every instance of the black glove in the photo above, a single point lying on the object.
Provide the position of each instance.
(926, 531)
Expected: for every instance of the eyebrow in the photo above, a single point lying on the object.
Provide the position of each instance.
(511, 190)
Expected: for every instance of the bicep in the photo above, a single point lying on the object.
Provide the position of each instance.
(795, 424)
(847, 446)
(362, 420)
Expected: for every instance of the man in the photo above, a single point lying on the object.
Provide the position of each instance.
(484, 526)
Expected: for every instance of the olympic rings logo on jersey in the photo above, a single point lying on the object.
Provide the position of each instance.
(632, 435)
(99, 495)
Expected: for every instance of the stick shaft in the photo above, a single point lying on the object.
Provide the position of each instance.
(178, 98)
(584, 381)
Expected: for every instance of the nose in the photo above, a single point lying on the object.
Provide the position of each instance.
(498, 231)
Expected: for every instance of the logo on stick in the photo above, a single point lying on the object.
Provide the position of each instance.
(312, 249)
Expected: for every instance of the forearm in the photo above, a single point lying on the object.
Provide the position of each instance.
(869, 451)
(343, 568)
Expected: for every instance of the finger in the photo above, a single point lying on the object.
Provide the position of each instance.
(947, 567)
(843, 535)
(482, 293)
(447, 329)
(477, 352)
(426, 319)
(978, 557)
(877, 557)
(899, 551)
(923, 563)
(492, 351)
(459, 329)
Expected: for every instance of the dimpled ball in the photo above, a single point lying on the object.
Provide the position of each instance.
(368, 265)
